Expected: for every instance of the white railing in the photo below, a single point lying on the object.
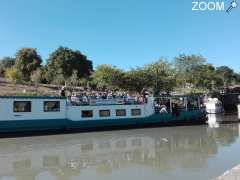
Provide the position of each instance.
(78, 101)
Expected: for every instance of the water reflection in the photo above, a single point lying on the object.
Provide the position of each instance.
(67, 156)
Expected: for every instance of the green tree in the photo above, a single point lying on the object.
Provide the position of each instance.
(27, 61)
(65, 61)
(225, 75)
(37, 76)
(237, 77)
(184, 66)
(59, 80)
(162, 76)
(108, 77)
(205, 77)
(5, 63)
(73, 80)
(137, 79)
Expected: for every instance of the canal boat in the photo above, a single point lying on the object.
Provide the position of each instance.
(20, 114)
(214, 106)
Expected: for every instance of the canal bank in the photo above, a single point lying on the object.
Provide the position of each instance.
(232, 174)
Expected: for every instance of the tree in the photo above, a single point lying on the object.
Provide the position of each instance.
(184, 66)
(5, 63)
(107, 77)
(225, 75)
(65, 61)
(27, 61)
(237, 76)
(162, 76)
(73, 80)
(37, 76)
(205, 77)
(137, 79)
(59, 80)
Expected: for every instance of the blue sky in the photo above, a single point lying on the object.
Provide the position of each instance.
(125, 33)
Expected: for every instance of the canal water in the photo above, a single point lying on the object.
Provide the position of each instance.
(189, 152)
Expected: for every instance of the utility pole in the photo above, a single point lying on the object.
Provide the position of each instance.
(157, 82)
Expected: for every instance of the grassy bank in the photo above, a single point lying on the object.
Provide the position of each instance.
(7, 89)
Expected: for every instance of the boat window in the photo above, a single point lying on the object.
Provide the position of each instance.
(121, 144)
(120, 112)
(105, 145)
(136, 112)
(192, 103)
(104, 113)
(51, 161)
(22, 106)
(51, 106)
(23, 164)
(86, 147)
(87, 113)
(179, 103)
(137, 142)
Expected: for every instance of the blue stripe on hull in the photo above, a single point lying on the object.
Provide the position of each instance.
(193, 117)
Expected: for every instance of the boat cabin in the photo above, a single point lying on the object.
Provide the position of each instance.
(25, 108)
(39, 108)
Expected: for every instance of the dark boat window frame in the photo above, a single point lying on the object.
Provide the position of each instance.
(135, 110)
(103, 111)
(87, 116)
(27, 108)
(120, 110)
(57, 109)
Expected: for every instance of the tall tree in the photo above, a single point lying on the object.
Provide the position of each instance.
(162, 76)
(64, 61)
(27, 61)
(137, 79)
(73, 80)
(205, 77)
(108, 77)
(184, 66)
(37, 76)
(225, 75)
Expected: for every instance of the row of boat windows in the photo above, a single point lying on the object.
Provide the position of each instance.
(106, 113)
(26, 106)
(54, 106)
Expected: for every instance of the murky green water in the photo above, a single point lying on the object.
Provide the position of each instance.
(193, 152)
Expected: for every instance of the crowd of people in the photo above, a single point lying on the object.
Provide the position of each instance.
(88, 97)
(85, 97)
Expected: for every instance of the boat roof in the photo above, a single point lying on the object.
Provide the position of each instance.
(59, 97)
(178, 96)
(32, 97)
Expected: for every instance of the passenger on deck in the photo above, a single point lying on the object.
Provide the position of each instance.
(74, 99)
(145, 94)
(85, 99)
(163, 109)
(62, 92)
(175, 110)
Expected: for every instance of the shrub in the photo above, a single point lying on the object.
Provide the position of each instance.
(13, 75)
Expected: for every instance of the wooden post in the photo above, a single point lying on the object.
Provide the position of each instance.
(238, 107)
(186, 102)
(199, 104)
(238, 111)
(170, 104)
